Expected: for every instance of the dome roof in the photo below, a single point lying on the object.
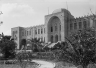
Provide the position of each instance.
(60, 10)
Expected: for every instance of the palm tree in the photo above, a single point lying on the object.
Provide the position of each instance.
(36, 45)
(83, 48)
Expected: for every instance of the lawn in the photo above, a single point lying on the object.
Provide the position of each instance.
(16, 66)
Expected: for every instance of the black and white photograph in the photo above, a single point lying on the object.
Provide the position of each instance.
(47, 33)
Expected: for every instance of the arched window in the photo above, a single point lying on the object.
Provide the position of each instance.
(56, 38)
(80, 25)
(51, 29)
(55, 27)
(44, 30)
(60, 27)
(51, 38)
(85, 24)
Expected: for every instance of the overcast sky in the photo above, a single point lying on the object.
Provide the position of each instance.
(27, 13)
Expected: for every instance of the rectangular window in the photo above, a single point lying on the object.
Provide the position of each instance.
(75, 25)
(41, 39)
(80, 25)
(35, 31)
(71, 26)
(44, 30)
(15, 32)
(41, 30)
(22, 33)
(85, 24)
(27, 33)
(38, 31)
(30, 32)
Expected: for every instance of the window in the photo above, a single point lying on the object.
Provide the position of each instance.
(85, 24)
(35, 31)
(60, 27)
(51, 29)
(41, 39)
(75, 25)
(56, 27)
(27, 33)
(41, 30)
(15, 37)
(80, 25)
(56, 38)
(71, 26)
(22, 33)
(30, 32)
(44, 30)
(38, 31)
(15, 32)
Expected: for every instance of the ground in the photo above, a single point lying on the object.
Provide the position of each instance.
(42, 64)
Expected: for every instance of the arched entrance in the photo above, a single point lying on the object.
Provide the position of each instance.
(54, 28)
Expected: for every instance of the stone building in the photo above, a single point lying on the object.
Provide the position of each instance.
(58, 25)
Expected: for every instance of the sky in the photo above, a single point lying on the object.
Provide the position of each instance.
(26, 13)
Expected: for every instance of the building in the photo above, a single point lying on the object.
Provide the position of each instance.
(58, 25)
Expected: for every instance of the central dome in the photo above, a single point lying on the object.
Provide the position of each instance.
(60, 10)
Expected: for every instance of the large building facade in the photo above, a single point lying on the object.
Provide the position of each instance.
(58, 25)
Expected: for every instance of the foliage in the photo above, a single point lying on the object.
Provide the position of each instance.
(83, 48)
(24, 58)
(7, 47)
(59, 46)
(36, 45)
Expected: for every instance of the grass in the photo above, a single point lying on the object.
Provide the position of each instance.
(16, 66)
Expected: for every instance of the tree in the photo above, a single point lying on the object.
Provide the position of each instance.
(7, 47)
(36, 45)
(83, 48)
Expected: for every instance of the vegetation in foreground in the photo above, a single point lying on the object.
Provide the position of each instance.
(7, 47)
(81, 48)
